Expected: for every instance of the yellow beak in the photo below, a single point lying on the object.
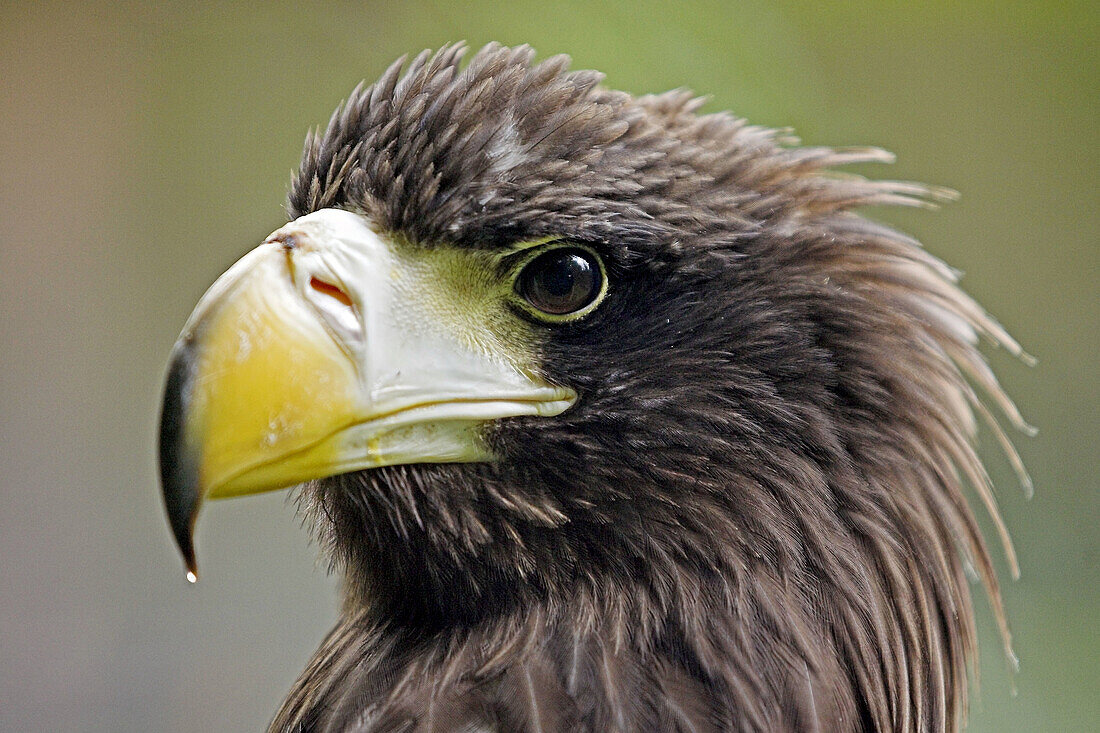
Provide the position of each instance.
(308, 358)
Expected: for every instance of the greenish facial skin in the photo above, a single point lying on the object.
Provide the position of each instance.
(474, 293)
(333, 347)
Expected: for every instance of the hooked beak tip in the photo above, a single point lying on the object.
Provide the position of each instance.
(178, 464)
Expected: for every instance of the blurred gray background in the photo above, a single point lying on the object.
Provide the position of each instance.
(143, 150)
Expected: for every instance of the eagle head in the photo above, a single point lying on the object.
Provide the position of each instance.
(601, 392)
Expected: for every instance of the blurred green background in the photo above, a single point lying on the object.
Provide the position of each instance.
(143, 149)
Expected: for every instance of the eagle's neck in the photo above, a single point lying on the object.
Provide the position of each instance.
(733, 592)
(607, 661)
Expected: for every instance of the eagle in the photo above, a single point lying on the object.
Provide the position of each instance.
(612, 416)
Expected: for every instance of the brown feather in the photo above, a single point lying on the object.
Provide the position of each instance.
(755, 518)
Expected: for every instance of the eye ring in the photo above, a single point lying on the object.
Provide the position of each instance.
(562, 283)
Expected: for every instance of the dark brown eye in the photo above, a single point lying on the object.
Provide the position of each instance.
(562, 281)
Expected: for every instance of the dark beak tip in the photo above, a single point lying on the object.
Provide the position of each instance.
(182, 507)
(190, 564)
(186, 543)
(179, 472)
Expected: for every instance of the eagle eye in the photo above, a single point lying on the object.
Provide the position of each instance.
(563, 283)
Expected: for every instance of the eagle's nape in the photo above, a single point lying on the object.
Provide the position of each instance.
(730, 494)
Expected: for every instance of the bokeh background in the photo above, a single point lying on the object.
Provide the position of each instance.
(143, 149)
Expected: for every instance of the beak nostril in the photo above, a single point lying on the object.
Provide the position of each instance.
(330, 290)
